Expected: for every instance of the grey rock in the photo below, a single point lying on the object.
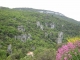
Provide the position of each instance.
(23, 37)
(21, 28)
(38, 24)
(52, 25)
(29, 36)
(41, 27)
(60, 37)
(46, 34)
(9, 49)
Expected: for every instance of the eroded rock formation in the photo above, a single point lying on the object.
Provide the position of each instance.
(60, 37)
(9, 50)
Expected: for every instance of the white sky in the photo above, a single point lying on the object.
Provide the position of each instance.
(70, 8)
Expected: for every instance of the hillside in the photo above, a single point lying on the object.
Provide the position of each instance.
(28, 29)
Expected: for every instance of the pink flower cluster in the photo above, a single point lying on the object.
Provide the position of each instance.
(63, 52)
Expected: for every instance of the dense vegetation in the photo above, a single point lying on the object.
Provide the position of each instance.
(41, 45)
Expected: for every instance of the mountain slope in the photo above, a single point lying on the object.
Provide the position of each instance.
(30, 29)
(56, 14)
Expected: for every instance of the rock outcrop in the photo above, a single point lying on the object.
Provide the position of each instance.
(60, 37)
(9, 50)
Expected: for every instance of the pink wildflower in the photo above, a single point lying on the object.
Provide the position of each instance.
(71, 46)
(69, 55)
(64, 51)
(65, 58)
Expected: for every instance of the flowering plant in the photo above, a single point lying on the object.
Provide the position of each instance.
(73, 40)
(69, 51)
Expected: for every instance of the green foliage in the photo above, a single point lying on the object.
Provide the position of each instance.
(2, 54)
(46, 54)
(27, 58)
(42, 54)
(10, 19)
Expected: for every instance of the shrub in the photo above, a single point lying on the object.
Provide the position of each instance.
(47, 54)
(2, 54)
(69, 51)
(73, 40)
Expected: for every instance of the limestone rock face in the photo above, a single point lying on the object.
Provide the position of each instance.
(46, 34)
(41, 27)
(38, 23)
(21, 28)
(62, 25)
(52, 26)
(9, 50)
(60, 37)
(23, 37)
(29, 36)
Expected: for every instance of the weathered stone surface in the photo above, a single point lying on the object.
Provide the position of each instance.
(23, 37)
(52, 26)
(60, 37)
(21, 28)
(38, 24)
(62, 25)
(46, 34)
(29, 36)
(30, 54)
(41, 27)
(9, 49)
